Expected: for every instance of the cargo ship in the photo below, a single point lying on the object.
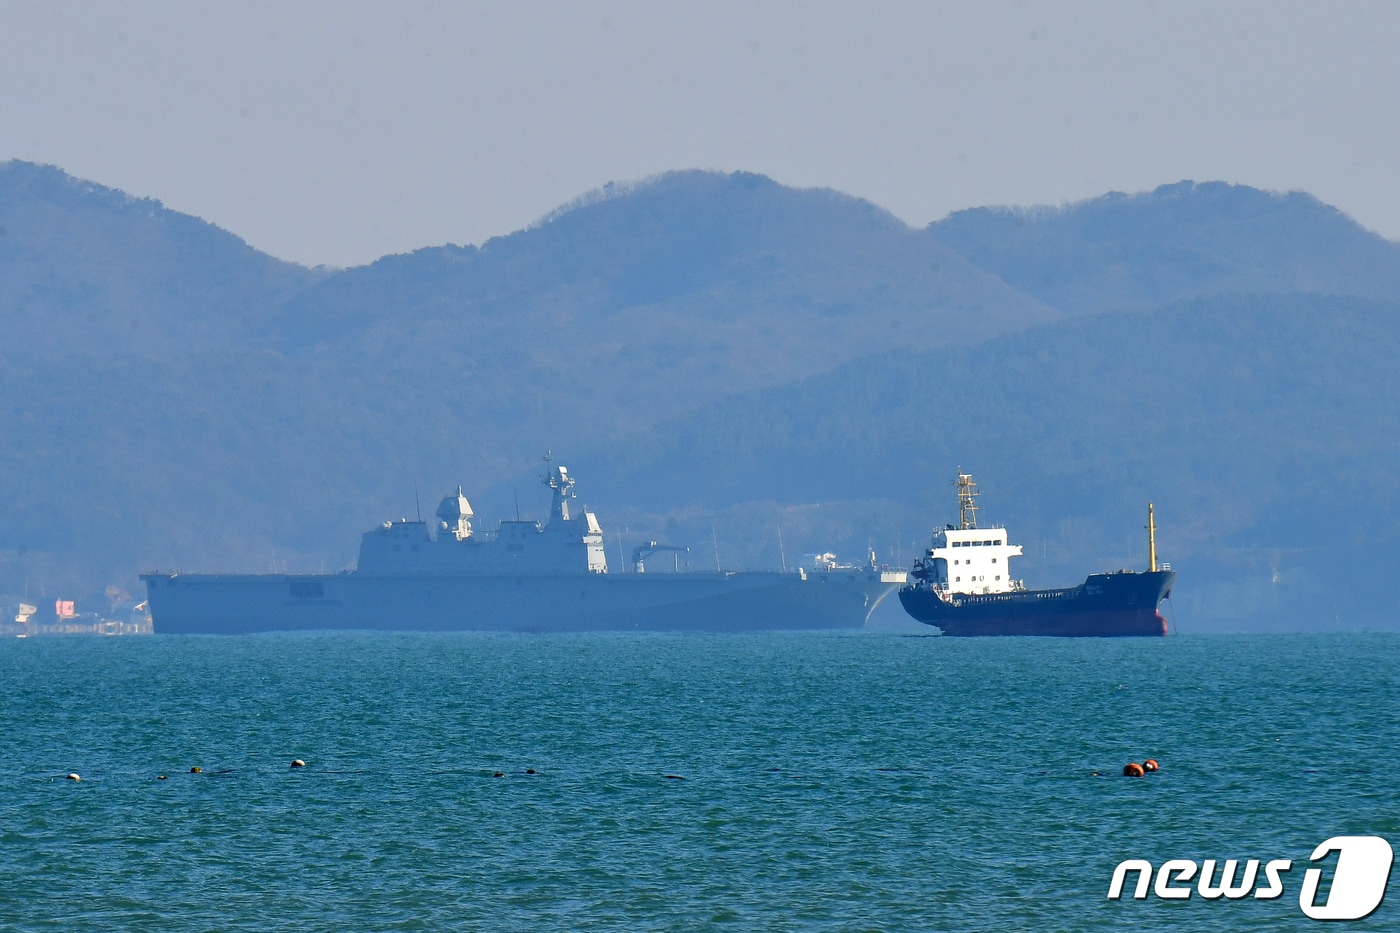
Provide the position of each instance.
(963, 585)
(523, 576)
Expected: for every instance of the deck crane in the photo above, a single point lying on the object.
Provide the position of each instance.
(641, 552)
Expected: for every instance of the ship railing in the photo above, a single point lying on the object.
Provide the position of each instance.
(1062, 593)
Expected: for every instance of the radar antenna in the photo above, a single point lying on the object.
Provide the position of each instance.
(967, 501)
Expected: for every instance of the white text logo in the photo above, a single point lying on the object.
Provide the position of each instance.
(1358, 881)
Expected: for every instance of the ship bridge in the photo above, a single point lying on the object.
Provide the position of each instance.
(968, 559)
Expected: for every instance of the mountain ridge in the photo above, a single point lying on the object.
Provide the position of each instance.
(1251, 240)
(90, 270)
(262, 414)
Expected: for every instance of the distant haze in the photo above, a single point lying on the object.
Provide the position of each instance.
(337, 133)
(716, 357)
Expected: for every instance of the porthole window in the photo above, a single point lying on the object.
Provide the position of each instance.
(998, 576)
(957, 579)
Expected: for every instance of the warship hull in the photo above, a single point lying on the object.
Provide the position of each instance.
(524, 602)
(1104, 605)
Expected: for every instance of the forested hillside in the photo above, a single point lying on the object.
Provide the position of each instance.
(1125, 252)
(1264, 427)
(717, 356)
(89, 272)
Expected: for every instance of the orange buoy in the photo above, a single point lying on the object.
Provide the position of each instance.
(298, 763)
(499, 774)
(196, 770)
(1133, 769)
(1150, 765)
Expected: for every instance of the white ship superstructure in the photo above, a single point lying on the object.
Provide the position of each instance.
(968, 559)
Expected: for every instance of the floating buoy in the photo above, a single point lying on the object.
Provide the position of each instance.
(1133, 769)
(529, 770)
(499, 774)
(1150, 765)
(298, 763)
(74, 777)
(196, 770)
(674, 777)
(161, 778)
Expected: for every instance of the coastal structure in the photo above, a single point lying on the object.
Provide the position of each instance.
(521, 576)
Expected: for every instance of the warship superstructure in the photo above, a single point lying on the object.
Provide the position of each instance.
(963, 585)
(523, 576)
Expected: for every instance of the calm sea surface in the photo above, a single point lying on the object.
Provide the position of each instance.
(821, 782)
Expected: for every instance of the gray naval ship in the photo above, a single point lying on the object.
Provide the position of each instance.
(524, 576)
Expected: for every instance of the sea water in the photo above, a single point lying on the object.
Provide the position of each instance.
(680, 782)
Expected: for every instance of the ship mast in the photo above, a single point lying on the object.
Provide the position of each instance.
(558, 479)
(967, 501)
(1151, 540)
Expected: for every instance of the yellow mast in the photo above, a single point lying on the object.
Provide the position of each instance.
(1151, 540)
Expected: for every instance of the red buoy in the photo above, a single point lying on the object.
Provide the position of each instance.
(1133, 769)
(1150, 765)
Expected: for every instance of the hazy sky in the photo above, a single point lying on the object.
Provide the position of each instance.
(337, 132)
